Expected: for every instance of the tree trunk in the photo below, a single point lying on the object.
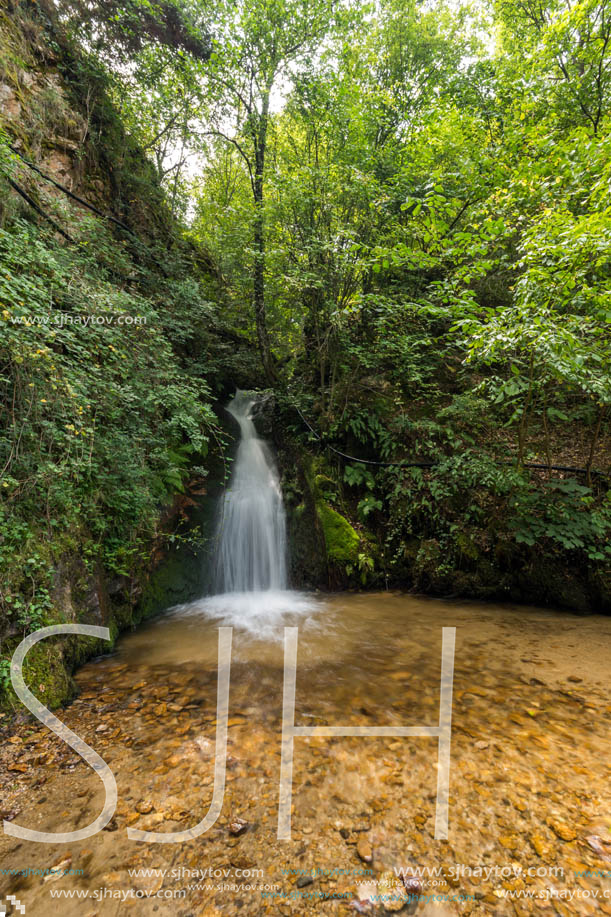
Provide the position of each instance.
(260, 142)
(259, 294)
(593, 444)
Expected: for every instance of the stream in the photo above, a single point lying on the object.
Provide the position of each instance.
(529, 822)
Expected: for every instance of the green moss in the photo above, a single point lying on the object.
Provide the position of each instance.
(466, 546)
(341, 540)
(48, 666)
(46, 675)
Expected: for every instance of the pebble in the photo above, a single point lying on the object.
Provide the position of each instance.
(364, 849)
(562, 830)
(145, 806)
(541, 846)
(392, 892)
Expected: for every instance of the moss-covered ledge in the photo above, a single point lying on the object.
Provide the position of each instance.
(326, 549)
(170, 573)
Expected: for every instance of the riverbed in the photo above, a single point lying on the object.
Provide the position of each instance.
(529, 816)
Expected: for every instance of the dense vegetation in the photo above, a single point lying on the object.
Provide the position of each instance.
(397, 216)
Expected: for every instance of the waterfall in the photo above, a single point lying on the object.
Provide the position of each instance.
(251, 534)
(249, 571)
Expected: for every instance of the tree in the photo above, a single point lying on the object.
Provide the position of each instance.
(259, 47)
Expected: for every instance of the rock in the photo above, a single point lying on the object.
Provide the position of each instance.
(205, 747)
(58, 165)
(9, 814)
(58, 867)
(302, 881)
(9, 105)
(145, 806)
(152, 820)
(562, 830)
(391, 890)
(366, 895)
(361, 907)
(596, 843)
(174, 809)
(541, 846)
(26, 79)
(412, 885)
(238, 826)
(262, 412)
(364, 849)
(509, 841)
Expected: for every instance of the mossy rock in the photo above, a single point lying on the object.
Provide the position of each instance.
(341, 540)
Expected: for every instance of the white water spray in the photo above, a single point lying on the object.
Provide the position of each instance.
(251, 552)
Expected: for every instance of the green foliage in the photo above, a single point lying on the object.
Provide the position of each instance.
(5, 675)
(100, 424)
(568, 517)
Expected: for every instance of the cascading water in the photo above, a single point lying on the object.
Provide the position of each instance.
(251, 553)
(250, 570)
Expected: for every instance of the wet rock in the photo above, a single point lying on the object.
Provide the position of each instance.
(174, 809)
(361, 907)
(58, 867)
(392, 892)
(596, 843)
(205, 747)
(364, 849)
(510, 842)
(145, 806)
(238, 826)
(262, 412)
(562, 830)
(541, 846)
(365, 895)
(9, 814)
(412, 885)
(302, 881)
(152, 820)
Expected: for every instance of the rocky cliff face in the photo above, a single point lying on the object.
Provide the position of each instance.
(56, 112)
(56, 118)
